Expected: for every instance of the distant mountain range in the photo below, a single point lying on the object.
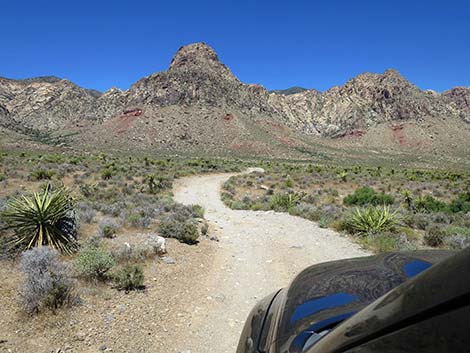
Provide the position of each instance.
(199, 105)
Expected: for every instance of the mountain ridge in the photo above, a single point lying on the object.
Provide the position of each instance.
(199, 103)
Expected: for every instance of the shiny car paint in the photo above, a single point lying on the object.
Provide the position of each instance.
(324, 295)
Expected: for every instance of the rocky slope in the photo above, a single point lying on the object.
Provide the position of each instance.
(199, 103)
(367, 100)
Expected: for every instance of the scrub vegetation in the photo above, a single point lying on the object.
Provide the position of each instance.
(72, 220)
(383, 208)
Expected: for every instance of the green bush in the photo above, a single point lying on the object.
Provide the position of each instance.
(94, 263)
(198, 211)
(157, 183)
(107, 174)
(44, 218)
(429, 204)
(461, 203)
(130, 277)
(371, 220)
(185, 231)
(367, 196)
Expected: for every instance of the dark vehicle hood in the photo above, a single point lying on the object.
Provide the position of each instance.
(323, 295)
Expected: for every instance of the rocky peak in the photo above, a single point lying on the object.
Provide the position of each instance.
(196, 54)
(200, 59)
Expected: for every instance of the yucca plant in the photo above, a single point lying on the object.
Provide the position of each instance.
(371, 220)
(407, 198)
(343, 175)
(285, 201)
(43, 218)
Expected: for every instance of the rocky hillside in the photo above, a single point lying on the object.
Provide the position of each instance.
(199, 104)
(367, 100)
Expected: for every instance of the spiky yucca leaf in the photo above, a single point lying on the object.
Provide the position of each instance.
(284, 201)
(371, 220)
(43, 218)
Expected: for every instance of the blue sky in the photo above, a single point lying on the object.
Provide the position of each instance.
(314, 44)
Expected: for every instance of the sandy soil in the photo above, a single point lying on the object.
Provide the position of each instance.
(258, 253)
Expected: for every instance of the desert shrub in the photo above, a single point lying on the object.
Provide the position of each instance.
(198, 211)
(41, 174)
(409, 233)
(130, 277)
(108, 228)
(405, 243)
(179, 211)
(178, 221)
(157, 183)
(47, 283)
(226, 198)
(429, 204)
(239, 205)
(331, 211)
(138, 220)
(457, 241)
(87, 190)
(229, 186)
(285, 201)
(114, 209)
(44, 218)
(94, 263)
(289, 182)
(324, 222)
(435, 236)
(185, 231)
(85, 211)
(457, 237)
(382, 242)
(461, 203)
(307, 211)
(367, 196)
(106, 174)
(418, 220)
(338, 225)
(441, 218)
(464, 231)
(371, 220)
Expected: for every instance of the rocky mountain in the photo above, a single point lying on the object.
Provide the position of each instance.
(367, 100)
(199, 104)
(460, 98)
(288, 91)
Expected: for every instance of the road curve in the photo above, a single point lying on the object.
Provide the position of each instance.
(258, 253)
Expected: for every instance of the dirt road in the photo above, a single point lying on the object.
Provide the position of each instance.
(259, 252)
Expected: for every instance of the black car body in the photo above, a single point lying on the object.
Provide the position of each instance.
(358, 305)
